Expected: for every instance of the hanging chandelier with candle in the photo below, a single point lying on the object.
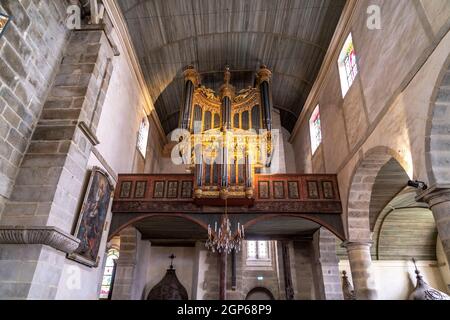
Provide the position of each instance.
(223, 240)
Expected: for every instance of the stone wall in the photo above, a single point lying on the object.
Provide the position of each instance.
(30, 54)
(388, 104)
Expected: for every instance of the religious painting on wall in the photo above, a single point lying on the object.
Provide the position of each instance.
(186, 189)
(141, 186)
(328, 189)
(293, 190)
(91, 221)
(263, 189)
(172, 189)
(313, 190)
(278, 189)
(158, 190)
(125, 189)
(4, 21)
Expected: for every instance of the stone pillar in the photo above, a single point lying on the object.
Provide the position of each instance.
(326, 262)
(361, 267)
(288, 283)
(36, 225)
(126, 270)
(438, 198)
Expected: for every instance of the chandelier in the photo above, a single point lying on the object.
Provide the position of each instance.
(223, 240)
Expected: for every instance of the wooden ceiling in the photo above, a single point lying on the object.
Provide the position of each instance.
(290, 36)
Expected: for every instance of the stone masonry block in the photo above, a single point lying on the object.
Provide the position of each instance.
(52, 133)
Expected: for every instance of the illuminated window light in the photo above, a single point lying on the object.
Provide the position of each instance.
(4, 21)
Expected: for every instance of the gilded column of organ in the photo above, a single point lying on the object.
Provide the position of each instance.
(229, 132)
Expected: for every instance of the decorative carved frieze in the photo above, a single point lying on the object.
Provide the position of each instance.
(50, 236)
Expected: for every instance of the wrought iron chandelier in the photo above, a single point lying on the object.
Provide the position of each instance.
(223, 239)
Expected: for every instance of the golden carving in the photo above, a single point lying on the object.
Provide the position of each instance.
(243, 94)
(208, 93)
(190, 74)
(264, 74)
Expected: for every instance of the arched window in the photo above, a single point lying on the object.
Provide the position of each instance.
(108, 274)
(348, 68)
(143, 136)
(315, 130)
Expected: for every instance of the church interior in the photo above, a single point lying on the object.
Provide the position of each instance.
(224, 150)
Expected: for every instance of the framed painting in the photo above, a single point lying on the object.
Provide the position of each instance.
(293, 192)
(125, 189)
(158, 189)
(4, 21)
(186, 189)
(263, 189)
(172, 189)
(328, 192)
(139, 191)
(313, 190)
(278, 189)
(92, 218)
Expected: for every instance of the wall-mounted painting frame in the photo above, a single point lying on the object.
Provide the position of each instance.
(92, 218)
(4, 22)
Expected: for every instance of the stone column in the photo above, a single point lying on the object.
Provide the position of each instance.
(288, 283)
(38, 219)
(438, 198)
(361, 267)
(126, 265)
(326, 262)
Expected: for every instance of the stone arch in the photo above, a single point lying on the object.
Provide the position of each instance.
(375, 164)
(117, 229)
(259, 292)
(437, 136)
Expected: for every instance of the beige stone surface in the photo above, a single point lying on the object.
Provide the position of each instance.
(438, 14)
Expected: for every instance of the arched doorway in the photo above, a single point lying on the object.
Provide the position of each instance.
(259, 293)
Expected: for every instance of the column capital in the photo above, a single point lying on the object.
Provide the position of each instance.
(435, 194)
(355, 244)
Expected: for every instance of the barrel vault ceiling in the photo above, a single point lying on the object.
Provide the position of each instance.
(291, 37)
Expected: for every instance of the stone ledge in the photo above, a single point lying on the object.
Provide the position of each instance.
(50, 236)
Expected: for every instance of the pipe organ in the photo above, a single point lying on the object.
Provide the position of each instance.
(229, 134)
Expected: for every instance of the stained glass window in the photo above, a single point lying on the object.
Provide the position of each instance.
(315, 130)
(143, 136)
(348, 68)
(108, 273)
